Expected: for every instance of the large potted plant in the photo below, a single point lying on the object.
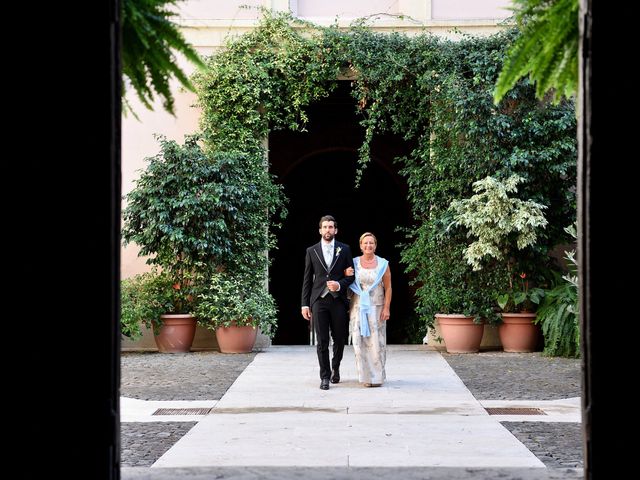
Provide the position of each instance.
(194, 213)
(452, 298)
(168, 214)
(504, 227)
(519, 331)
(153, 300)
(236, 307)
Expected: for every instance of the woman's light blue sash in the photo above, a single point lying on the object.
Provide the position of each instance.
(365, 300)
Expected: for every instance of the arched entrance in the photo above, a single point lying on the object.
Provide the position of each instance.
(317, 169)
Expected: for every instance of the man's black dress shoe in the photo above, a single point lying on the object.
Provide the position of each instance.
(335, 377)
(324, 384)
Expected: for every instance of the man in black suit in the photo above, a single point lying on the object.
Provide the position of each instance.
(324, 297)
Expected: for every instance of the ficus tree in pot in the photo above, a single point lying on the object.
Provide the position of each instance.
(450, 286)
(195, 213)
(449, 293)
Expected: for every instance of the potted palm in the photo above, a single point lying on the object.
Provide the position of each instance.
(236, 307)
(504, 226)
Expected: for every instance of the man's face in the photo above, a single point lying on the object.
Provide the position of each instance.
(328, 230)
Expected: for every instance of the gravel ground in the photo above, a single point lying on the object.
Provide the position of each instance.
(517, 376)
(144, 443)
(557, 445)
(180, 376)
(528, 376)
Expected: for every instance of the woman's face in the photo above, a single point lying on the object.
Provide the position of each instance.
(368, 245)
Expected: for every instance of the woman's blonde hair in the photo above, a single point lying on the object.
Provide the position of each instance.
(368, 234)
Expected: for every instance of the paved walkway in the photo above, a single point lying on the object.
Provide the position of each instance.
(424, 416)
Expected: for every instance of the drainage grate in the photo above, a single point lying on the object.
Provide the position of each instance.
(182, 411)
(514, 411)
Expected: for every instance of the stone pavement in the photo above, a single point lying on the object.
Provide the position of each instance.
(423, 417)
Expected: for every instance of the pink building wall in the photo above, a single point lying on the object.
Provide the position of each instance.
(206, 24)
(434, 9)
(351, 8)
(219, 9)
(469, 9)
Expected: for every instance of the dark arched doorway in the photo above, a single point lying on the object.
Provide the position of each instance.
(317, 169)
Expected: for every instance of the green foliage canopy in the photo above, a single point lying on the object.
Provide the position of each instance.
(438, 95)
(193, 213)
(500, 223)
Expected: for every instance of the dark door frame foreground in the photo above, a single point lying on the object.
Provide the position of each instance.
(600, 148)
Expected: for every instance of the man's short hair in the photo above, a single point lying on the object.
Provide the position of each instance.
(328, 218)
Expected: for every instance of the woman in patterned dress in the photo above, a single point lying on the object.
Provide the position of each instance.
(369, 311)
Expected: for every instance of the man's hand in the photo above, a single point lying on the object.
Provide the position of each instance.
(333, 286)
(306, 313)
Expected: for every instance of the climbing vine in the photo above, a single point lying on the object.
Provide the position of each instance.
(262, 81)
(435, 93)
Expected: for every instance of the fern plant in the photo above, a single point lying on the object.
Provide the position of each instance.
(558, 314)
(149, 38)
(547, 49)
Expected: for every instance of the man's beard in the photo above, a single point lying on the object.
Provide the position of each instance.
(328, 237)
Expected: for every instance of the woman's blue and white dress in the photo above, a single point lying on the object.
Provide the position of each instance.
(370, 351)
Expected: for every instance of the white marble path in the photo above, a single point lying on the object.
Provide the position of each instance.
(275, 414)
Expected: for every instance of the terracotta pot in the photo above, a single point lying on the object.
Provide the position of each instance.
(460, 333)
(518, 333)
(236, 339)
(176, 334)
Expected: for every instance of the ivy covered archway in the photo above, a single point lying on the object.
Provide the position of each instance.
(317, 170)
(433, 92)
